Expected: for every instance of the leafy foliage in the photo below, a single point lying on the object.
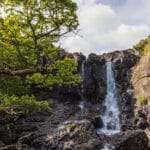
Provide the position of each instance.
(26, 102)
(141, 101)
(14, 85)
(143, 46)
(64, 74)
(30, 31)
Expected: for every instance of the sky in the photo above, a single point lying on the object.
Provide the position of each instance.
(108, 25)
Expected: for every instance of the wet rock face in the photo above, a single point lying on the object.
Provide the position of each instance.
(95, 72)
(95, 79)
(124, 61)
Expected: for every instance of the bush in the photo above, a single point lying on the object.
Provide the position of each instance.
(28, 103)
(141, 101)
(143, 46)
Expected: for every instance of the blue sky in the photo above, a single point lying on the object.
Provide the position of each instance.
(107, 25)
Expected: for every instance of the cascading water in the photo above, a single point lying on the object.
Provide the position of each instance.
(82, 102)
(83, 79)
(111, 113)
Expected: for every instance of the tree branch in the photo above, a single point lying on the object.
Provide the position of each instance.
(25, 71)
(46, 34)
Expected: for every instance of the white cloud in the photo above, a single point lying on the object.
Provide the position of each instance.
(109, 25)
(95, 17)
(124, 36)
(77, 44)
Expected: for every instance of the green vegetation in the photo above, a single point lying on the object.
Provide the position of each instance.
(141, 101)
(26, 102)
(82, 135)
(30, 55)
(14, 85)
(143, 46)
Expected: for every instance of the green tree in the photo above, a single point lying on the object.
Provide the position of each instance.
(30, 31)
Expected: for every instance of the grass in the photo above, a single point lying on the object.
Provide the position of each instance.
(141, 101)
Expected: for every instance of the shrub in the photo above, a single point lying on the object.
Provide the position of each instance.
(141, 101)
(143, 46)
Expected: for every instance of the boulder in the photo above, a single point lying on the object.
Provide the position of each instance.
(141, 118)
(70, 135)
(1, 144)
(97, 122)
(142, 124)
(92, 144)
(130, 140)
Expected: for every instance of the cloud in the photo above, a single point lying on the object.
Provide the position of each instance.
(95, 17)
(77, 44)
(124, 36)
(107, 25)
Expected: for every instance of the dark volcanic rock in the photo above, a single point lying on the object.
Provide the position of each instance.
(1, 144)
(66, 129)
(12, 129)
(95, 79)
(141, 118)
(97, 122)
(80, 58)
(130, 140)
(70, 135)
(124, 61)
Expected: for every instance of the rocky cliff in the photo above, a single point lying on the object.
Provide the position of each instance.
(141, 85)
(95, 79)
(141, 77)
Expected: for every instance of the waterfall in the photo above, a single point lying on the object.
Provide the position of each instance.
(82, 102)
(111, 113)
(83, 79)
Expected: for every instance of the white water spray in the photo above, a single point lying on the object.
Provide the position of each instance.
(111, 114)
(108, 147)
